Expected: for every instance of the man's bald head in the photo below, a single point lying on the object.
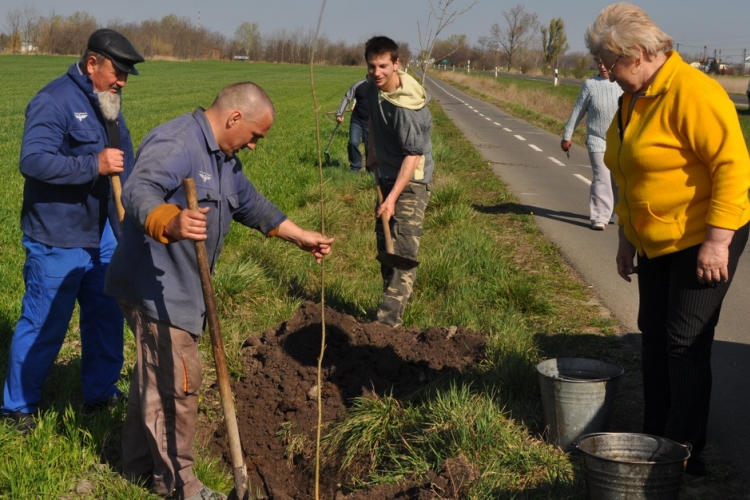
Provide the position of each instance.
(240, 116)
(246, 97)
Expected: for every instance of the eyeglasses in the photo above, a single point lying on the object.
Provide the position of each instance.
(609, 70)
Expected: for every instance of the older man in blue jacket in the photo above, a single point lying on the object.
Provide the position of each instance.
(75, 138)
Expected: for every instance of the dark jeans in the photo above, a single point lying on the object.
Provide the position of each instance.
(677, 316)
(357, 134)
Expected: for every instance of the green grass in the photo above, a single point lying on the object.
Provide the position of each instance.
(484, 266)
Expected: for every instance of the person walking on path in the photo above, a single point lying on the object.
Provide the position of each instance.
(682, 168)
(598, 101)
(74, 139)
(358, 124)
(154, 272)
(401, 154)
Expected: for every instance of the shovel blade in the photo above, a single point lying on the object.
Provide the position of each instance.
(397, 261)
(328, 157)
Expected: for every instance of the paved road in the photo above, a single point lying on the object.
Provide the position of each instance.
(737, 99)
(555, 189)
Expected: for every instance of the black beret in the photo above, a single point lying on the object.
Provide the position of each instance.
(117, 48)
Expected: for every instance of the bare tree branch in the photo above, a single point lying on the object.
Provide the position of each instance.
(443, 18)
(517, 34)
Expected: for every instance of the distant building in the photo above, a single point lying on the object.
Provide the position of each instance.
(27, 47)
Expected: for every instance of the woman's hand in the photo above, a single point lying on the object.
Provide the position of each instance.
(625, 256)
(712, 267)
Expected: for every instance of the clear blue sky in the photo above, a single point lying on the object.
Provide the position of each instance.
(719, 24)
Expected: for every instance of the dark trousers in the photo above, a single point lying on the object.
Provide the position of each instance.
(677, 316)
(358, 133)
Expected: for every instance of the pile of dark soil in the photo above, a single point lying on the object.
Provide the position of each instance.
(280, 386)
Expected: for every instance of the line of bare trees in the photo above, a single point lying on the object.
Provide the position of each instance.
(26, 31)
(520, 42)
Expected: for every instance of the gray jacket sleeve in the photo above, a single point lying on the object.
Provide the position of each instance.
(348, 97)
(579, 109)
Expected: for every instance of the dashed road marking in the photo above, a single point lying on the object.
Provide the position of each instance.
(579, 176)
(535, 148)
(519, 137)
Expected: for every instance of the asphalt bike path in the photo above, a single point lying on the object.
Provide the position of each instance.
(555, 189)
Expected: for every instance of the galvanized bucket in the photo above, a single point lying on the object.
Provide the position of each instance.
(578, 397)
(632, 466)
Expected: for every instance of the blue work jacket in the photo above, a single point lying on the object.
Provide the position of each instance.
(66, 203)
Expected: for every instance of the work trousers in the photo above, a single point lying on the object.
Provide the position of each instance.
(677, 316)
(162, 411)
(358, 134)
(55, 279)
(603, 190)
(406, 232)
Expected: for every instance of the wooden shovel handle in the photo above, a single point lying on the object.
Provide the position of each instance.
(239, 468)
(386, 224)
(117, 194)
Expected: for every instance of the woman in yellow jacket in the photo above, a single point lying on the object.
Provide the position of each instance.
(678, 155)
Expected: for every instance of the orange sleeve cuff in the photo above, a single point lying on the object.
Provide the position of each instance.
(273, 232)
(157, 221)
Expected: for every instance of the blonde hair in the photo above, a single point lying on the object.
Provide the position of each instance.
(622, 27)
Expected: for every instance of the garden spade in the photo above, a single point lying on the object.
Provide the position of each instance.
(389, 258)
(239, 469)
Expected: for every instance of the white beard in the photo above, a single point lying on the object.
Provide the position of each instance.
(109, 104)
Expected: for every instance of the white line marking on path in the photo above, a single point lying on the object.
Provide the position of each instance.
(555, 160)
(507, 129)
(519, 137)
(535, 148)
(579, 176)
(488, 118)
(497, 124)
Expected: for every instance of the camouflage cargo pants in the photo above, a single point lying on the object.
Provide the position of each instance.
(406, 231)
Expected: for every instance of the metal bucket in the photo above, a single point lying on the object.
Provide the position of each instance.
(632, 466)
(577, 397)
